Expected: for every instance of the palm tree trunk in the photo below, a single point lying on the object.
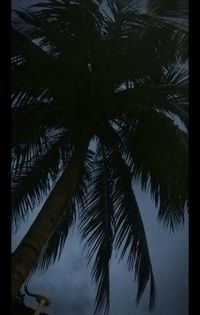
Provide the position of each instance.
(28, 251)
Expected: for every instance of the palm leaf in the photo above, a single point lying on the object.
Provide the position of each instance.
(97, 230)
(166, 149)
(130, 233)
(175, 13)
(37, 119)
(129, 33)
(33, 181)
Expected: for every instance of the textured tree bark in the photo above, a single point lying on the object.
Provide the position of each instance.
(33, 242)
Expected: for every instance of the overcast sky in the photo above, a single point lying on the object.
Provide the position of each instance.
(68, 281)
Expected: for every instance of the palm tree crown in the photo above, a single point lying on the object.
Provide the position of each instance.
(113, 76)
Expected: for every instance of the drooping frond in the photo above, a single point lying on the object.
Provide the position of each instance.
(31, 182)
(97, 229)
(168, 93)
(154, 146)
(131, 237)
(130, 232)
(177, 101)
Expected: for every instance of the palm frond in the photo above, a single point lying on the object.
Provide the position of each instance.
(165, 149)
(130, 232)
(34, 178)
(23, 153)
(175, 13)
(139, 100)
(32, 147)
(37, 119)
(97, 230)
(165, 8)
(175, 74)
(128, 34)
(26, 72)
(21, 45)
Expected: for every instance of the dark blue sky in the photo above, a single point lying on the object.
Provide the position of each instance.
(68, 282)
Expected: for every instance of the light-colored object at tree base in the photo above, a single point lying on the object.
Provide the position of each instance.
(42, 301)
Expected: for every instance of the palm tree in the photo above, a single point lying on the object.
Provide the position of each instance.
(94, 97)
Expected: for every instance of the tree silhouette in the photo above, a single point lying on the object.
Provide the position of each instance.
(113, 77)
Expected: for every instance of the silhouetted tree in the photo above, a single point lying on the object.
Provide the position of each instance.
(114, 78)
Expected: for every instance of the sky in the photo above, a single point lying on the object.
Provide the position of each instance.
(68, 281)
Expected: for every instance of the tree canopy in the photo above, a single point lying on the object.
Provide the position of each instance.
(113, 75)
